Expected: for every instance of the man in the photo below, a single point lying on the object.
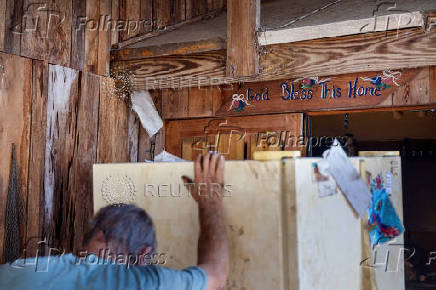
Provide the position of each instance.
(128, 229)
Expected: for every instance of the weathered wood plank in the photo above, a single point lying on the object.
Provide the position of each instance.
(133, 14)
(13, 27)
(169, 49)
(59, 32)
(175, 104)
(15, 112)
(176, 71)
(62, 101)
(2, 24)
(78, 210)
(161, 14)
(415, 92)
(104, 41)
(91, 37)
(243, 18)
(200, 102)
(432, 85)
(406, 48)
(78, 35)
(115, 14)
(113, 128)
(35, 201)
(178, 13)
(34, 41)
(146, 14)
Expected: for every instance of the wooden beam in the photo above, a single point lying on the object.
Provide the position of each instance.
(183, 48)
(406, 48)
(243, 19)
(378, 51)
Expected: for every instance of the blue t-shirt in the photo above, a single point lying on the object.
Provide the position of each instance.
(68, 272)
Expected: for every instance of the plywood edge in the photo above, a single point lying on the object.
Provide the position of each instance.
(289, 225)
(342, 28)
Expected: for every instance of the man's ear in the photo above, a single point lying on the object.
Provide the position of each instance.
(145, 254)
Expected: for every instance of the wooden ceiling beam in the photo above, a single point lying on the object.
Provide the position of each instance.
(243, 20)
(407, 48)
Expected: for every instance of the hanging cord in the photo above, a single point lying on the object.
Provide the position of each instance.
(14, 213)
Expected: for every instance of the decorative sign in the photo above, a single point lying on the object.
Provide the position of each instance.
(359, 90)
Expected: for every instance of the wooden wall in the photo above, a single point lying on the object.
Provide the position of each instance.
(77, 33)
(62, 121)
(56, 108)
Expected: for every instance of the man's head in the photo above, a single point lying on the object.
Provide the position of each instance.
(124, 229)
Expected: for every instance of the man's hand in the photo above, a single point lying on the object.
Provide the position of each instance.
(213, 252)
(207, 187)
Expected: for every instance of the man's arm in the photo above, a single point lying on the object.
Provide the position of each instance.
(213, 252)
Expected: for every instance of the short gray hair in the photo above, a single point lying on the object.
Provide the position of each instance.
(128, 225)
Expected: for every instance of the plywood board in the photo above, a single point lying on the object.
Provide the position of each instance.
(253, 247)
(274, 210)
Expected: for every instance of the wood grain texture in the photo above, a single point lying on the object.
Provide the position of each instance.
(34, 40)
(13, 26)
(91, 37)
(175, 71)
(406, 48)
(146, 14)
(133, 13)
(35, 201)
(200, 102)
(415, 92)
(78, 36)
(113, 128)
(205, 129)
(78, 209)
(161, 14)
(2, 24)
(15, 112)
(59, 32)
(242, 23)
(115, 15)
(432, 89)
(62, 118)
(168, 49)
(175, 104)
(104, 41)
